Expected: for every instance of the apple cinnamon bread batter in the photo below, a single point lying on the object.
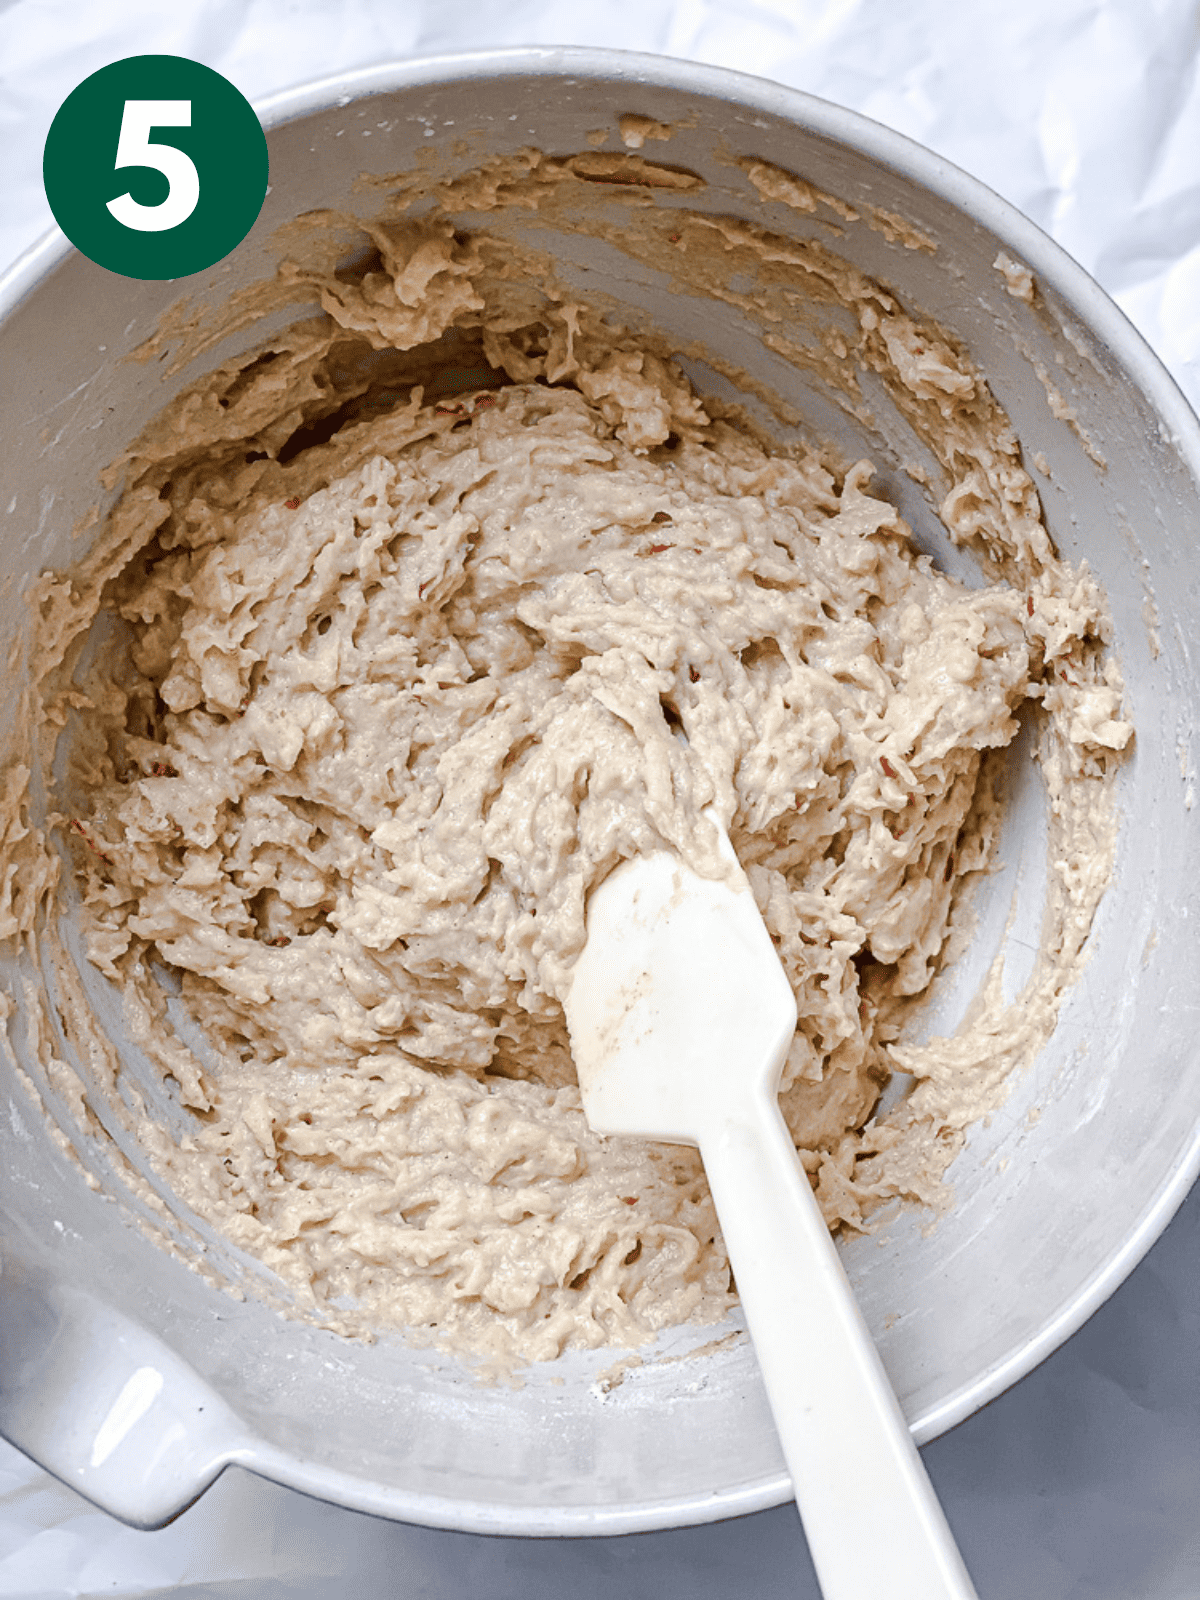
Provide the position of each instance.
(410, 607)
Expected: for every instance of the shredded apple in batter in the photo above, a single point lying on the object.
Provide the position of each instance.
(407, 608)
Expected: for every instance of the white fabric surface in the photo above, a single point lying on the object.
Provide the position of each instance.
(1083, 1482)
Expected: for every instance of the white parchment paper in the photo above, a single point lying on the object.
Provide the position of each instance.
(1084, 1481)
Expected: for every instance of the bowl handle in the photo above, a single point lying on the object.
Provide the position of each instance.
(103, 1405)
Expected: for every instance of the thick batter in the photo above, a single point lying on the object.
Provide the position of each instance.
(409, 609)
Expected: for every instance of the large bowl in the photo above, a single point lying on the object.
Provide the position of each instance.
(135, 1380)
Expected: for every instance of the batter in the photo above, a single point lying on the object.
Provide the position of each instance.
(406, 611)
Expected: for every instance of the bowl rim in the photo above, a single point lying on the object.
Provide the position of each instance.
(1100, 315)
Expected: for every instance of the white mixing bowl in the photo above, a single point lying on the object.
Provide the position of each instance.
(133, 1378)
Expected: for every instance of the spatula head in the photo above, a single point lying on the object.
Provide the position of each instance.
(678, 1006)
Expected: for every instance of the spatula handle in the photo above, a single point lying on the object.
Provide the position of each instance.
(873, 1523)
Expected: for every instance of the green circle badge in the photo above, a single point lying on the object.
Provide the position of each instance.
(155, 167)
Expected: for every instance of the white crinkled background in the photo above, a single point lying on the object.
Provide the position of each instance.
(1083, 1482)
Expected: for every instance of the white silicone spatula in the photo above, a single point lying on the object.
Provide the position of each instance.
(680, 1017)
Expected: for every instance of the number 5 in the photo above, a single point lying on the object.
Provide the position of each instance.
(135, 150)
